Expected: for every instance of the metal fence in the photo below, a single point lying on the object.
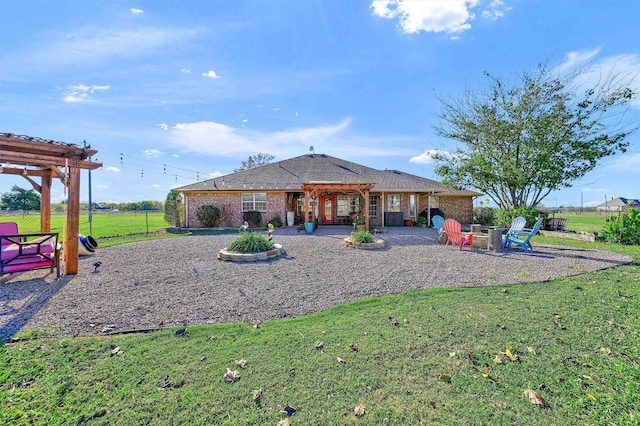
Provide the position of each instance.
(99, 224)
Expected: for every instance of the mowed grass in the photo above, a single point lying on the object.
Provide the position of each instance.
(105, 224)
(454, 356)
(586, 222)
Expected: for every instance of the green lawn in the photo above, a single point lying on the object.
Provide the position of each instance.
(105, 224)
(456, 356)
(585, 222)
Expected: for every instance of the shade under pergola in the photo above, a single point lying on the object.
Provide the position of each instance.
(35, 157)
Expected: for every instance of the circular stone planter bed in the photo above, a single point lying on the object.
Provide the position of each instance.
(234, 256)
(377, 244)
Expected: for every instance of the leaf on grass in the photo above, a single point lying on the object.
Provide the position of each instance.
(533, 397)
(231, 376)
(556, 316)
(284, 422)
(510, 355)
(241, 363)
(444, 377)
(340, 360)
(606, 350)
(530, 348)
(501, 326)
(485, 372)
(589, 378)
(256, 394)
(318, 344)
(452, 354)
(359, 411)
(591, 397)
(354, 347)
(117, 351)
(498, 359)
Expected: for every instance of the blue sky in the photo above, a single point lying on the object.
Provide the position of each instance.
(170, 92)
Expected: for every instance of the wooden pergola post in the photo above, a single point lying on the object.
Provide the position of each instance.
(26, 156)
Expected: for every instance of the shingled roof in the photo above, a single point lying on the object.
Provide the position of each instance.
(289, 175)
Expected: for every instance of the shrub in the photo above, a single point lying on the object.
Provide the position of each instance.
(276, 221)
(253, 217)
(421, 221)
(208, 216)
(484, 215)
(624, 228)
(505, 217)
(360, 237)
(251, 242)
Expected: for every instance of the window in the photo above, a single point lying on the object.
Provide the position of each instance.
(254, 201)
(343, 206)
(412, 205)
(394, 203)
(355, 204)
(373, 205)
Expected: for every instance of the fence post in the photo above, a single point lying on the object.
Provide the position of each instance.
(147, 219)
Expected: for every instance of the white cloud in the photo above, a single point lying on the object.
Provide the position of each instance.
(496, 10)
(427, 157)
(215, 175)
(155, 185)
(596, 190)
(210, 138)
(135, 11)
(185, 70)
(163, 126)
(95, 45)
(576, 59)
(102, 186)
(152, 153)
(112, 169)
(449, 16)
(210, 74)
(81, 93)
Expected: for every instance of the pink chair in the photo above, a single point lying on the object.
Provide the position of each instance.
(454, 235)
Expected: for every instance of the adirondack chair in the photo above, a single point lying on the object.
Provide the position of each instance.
(438, 221)
(525, 243)
(516, 228)
(454, 235)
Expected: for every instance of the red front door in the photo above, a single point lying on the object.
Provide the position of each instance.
(326, 214)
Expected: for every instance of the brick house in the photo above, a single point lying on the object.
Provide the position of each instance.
(325, 189)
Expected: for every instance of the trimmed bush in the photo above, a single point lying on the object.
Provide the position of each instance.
(484, 215)
(253, 217)
(276, 221)
(505, 217)
(251, 242)
(208, 216)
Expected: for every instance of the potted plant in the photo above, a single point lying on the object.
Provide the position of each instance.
(361, 221)
(421, 221)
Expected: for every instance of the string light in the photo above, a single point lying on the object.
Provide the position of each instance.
(142, 173)
(176, 178)
(24, 172)
(164, 168)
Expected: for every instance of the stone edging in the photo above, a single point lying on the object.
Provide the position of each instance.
(233, 256)
(377, 244)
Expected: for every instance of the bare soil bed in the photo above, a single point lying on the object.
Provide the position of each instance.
(179, 281)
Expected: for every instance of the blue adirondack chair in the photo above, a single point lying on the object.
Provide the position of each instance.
(437, 222)
(525, 243)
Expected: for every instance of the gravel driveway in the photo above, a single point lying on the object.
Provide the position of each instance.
(165, 283)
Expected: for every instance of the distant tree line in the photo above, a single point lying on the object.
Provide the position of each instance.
(25, 200)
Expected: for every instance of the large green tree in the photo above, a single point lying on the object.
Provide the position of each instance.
(520, 139)
(20, 199)
(255, 160)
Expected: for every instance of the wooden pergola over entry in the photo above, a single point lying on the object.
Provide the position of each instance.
(313, 189)
(28, 157)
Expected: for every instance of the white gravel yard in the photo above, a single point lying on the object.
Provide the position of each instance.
(171, 282)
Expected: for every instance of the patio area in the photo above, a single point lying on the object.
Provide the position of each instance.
(172, 282)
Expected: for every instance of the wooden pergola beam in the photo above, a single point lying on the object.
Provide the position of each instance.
(23, 153)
